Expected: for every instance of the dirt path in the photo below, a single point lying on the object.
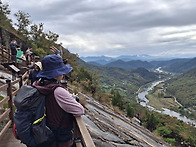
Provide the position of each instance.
(8, 140)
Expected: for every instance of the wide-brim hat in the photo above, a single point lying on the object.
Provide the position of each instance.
(53, 66)
(39, 64)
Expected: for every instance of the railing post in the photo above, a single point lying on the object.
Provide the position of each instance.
(10, 104)
(2, 55)
(77, 135)
(9, 54)
(21, 81)
(85, 136)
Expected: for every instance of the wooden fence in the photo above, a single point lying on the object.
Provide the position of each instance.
(5, 54)
(11, 92)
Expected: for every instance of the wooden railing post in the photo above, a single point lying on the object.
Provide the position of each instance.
(77, 135)
(10, 104)
(21, 81)
(2, 54)
(9, 54)
(85, 136)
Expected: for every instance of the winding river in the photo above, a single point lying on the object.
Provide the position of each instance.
(142, 100)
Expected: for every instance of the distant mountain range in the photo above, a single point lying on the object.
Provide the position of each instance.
(179, 65)
(102, 60)
(130, 64)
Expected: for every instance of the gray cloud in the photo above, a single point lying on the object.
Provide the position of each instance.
(93, 27)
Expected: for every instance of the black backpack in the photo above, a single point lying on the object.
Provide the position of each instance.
(29, 117)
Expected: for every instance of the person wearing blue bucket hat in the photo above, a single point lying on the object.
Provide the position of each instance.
(53, 66)
(61, 106)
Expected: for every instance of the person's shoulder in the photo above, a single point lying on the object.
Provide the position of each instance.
(60, 90)
(12, 44)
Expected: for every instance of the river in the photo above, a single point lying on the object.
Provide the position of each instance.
(142, 100)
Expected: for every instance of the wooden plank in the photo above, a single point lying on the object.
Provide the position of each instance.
(25, 82)
(14, 68)
(78, 144)
(14, 82)
(5, 51)
(87, 140)
(4, 115)
(25, 75)
(3, 101)
(3, 87)
(6, 57)
(4, 130)
(15, 92)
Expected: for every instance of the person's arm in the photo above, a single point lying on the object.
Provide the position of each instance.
(67, 102)
(56, 51)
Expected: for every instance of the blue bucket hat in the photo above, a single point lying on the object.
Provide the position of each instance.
(53, 66)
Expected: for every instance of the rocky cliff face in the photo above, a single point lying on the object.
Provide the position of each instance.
(109, 129)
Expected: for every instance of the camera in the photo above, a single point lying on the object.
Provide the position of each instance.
(76, 97)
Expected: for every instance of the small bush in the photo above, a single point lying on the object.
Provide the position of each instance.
(130, 111)
(164, 131)
(171, 141)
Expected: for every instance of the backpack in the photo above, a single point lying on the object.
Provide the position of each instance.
(30, 119)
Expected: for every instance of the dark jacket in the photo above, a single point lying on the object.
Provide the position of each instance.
(13, 48)
(33, 76)
(56, 117)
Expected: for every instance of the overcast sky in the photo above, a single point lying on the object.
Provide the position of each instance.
(117, 27)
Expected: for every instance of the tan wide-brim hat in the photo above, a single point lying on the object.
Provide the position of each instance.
(39, 64)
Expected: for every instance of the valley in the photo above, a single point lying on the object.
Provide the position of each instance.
(167, 105)
(153, 98)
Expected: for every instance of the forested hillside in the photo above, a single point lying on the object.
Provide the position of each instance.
(127, 82)
(181, 66)
(168, 63)
(183, 88)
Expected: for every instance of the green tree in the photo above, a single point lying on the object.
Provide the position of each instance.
(84, 74)
(41, 39)
(36, 32)
(4, 9)
(94, 84)
(117, 100)
(23, 23)
(152, 121)
(171, 141)
(52, 37)
(40, 51)
(164, 131)
(112, 91)
(130, 111)
(89, 80)
(5, 22)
